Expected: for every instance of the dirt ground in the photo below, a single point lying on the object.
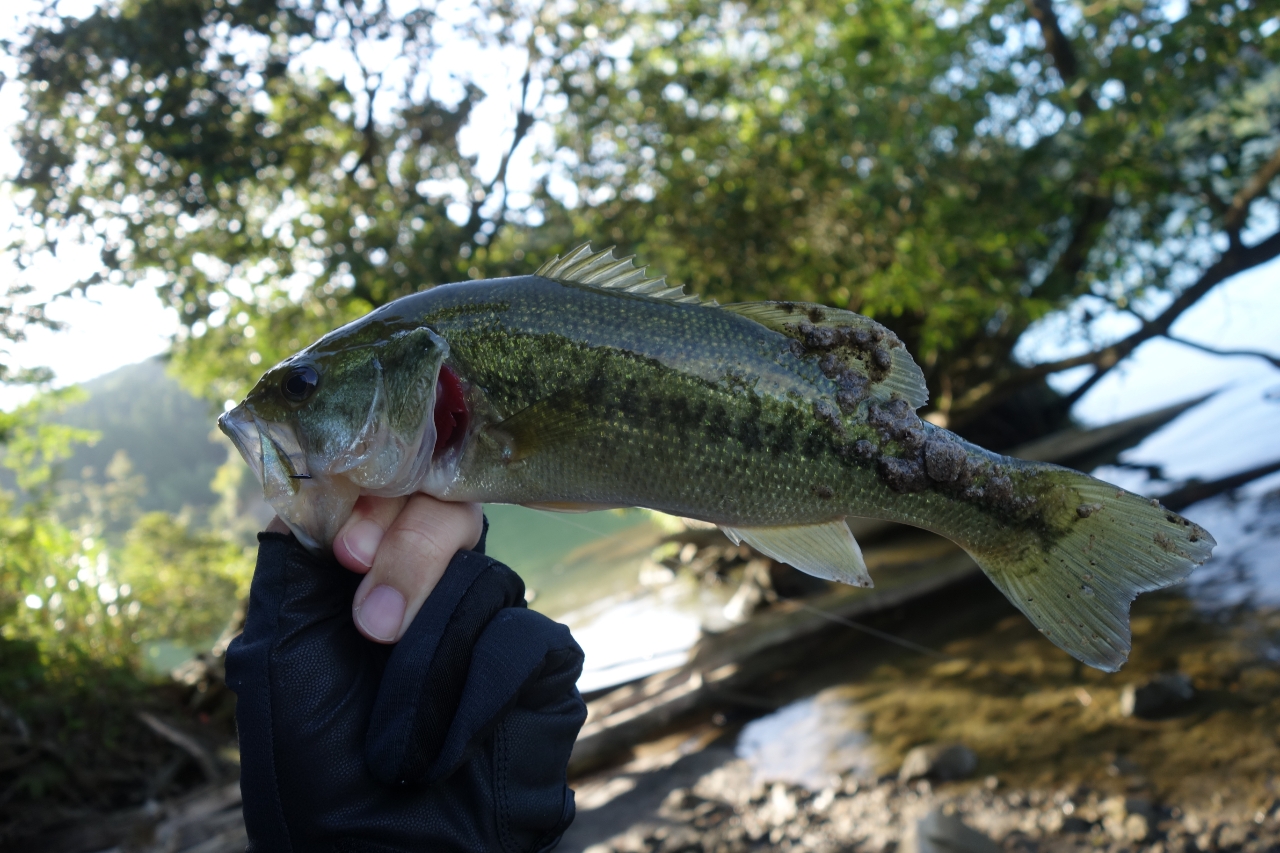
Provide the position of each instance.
(1059, 766)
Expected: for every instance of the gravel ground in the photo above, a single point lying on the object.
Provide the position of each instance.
(723, 811)
(1046, 756)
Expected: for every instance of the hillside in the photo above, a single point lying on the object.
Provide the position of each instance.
(168, 434)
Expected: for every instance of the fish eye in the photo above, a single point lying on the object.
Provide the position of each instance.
(299, 383)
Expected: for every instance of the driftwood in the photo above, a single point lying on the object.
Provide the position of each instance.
(207, 820)
(722, 667)
(210, 822)
(184, 742)
(1196, 491)
(1088, 448)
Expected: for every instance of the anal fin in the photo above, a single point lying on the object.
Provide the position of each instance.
(826, 551)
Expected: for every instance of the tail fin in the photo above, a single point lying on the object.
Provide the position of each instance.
(1105, 550)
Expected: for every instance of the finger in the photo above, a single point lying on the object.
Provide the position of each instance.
(359, 537)
(413, 554)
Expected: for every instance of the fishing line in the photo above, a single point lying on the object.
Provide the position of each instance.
(645, 659)
(910, 645)
(1014, 680)
(876, 632)
(849, 623)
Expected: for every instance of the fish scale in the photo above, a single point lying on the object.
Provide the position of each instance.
(620, 446)
(588, 385)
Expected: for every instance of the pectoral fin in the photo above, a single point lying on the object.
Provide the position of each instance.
(546, 423)
(826, 551)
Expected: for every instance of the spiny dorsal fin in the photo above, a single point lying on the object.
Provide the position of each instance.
(601, 269)
(856, 352)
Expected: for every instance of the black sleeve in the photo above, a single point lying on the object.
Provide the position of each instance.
(455, 739)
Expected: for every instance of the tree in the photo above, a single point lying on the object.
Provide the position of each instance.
(280, 167)
(957, 170)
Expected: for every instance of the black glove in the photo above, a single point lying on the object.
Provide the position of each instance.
(454, 739)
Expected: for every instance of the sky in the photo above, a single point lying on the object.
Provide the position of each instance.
(112, 326)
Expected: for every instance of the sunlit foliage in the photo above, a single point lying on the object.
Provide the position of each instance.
(78, 592)
(957, 169)
(216, 146)
(953, 168)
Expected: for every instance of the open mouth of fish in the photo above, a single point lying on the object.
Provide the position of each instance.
(272, 450)
(314, 495)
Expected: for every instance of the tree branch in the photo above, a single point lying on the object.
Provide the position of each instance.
(1256, 186)
(369, 135)
(1275, 360)
(1181, 498)
(1059, 47)
(185, 742)
(1095, 210)
(1055, 41)
(524, 121)
(1234, 261)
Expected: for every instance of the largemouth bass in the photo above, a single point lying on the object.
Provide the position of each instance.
(588, 385)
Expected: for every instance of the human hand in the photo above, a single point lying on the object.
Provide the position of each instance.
(402, 547)
(455, 738)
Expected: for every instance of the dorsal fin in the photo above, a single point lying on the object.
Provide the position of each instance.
(601, 269)
(863, 357)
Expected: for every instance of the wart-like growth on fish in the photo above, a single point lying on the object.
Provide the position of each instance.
(590, 385)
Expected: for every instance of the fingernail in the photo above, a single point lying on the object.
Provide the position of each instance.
(381, 613)
(362, 541)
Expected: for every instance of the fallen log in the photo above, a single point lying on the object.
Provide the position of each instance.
(721, 664)
(1194, 492)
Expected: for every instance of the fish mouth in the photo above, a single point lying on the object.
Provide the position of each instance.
(272, 450)
(314, 495)
(238, 425)
(313, 504)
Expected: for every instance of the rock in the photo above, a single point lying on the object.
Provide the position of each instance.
(1075, 825)
(678, 800)
(941, 833)
(1136, 828)
(780, 807)
(1052, 821)
(1233, 836)
(1162, 696)
(1128, 819)
(756, 588)
(938, 761)
(1123, 767)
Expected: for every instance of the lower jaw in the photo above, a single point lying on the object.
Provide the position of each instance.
(318, 510)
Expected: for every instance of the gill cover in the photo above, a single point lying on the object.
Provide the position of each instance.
(392, 452)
